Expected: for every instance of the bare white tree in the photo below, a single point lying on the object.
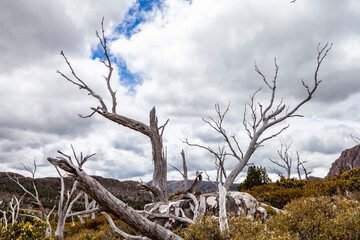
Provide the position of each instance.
(90, 205)
(262, 117)
(43, 216)
(15, 207)
(301, 167)
(47, 220)
(5, 222)
(32, 171)
(220, 155)
(159, 190)
(184, 174)
(122, 233)
(64, 208)
(109, 203)
(285, 160)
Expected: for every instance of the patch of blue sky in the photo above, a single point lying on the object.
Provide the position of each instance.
(127, 78)
(136, 15)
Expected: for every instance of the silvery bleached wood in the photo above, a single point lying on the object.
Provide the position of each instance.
(262, 117)
(153, 130)
(64, 208)
(109, 203)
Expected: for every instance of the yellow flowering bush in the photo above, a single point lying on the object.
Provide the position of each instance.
(322, 217)
(34, 230)
(239, 228)
(96, 229)
(319, 218)
(280, 193)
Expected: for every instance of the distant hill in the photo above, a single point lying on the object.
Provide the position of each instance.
(49, 189)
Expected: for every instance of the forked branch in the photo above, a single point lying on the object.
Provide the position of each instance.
(259, 117)
(153, 130)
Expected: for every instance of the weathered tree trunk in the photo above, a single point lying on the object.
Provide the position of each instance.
(5, 222)
(159, 158)
(111, 204)
(65, 208)
(153, 131)
(262, 117)
(222, 208)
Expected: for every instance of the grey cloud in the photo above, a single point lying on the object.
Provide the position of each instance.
(209, 61)
(31, 30)
(330, 140)
(35, 30)
(132, 144)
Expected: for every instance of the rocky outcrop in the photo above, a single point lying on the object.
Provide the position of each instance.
(349, 159)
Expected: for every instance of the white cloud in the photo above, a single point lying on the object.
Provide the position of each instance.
(191, 56)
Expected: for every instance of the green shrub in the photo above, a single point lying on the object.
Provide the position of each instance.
(256, 176)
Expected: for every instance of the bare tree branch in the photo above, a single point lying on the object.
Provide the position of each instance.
(195, 184)
(35, 196)
(14, 209)
(302, 165)
(183, 174)
(111, 204)
(286, 159)
(64, 208)
(93, 210)
(271, 114)
(121, 233)
(153, 131)
(262, 117)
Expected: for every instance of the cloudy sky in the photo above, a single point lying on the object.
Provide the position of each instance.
(182, 57)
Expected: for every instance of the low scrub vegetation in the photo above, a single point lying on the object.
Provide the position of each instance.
(323, 217)
(281, 192)
(327, 209)
(31, 230)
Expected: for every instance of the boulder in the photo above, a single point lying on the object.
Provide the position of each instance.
(240, 204)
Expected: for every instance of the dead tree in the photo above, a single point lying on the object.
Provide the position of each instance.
(184, 174)
(121, 233)
(89, 205)
(35, 196)
(301, 167)
(43, 216)
(220, 155)
(109, 203)
(286, 159)
(262, 117)
(47, 220)
(5, 222)
(155, 132)
(15, 207)
(64, 208)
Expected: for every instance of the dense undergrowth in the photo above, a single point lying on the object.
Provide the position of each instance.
(323, 217)
(327, 209)
(281, 192)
